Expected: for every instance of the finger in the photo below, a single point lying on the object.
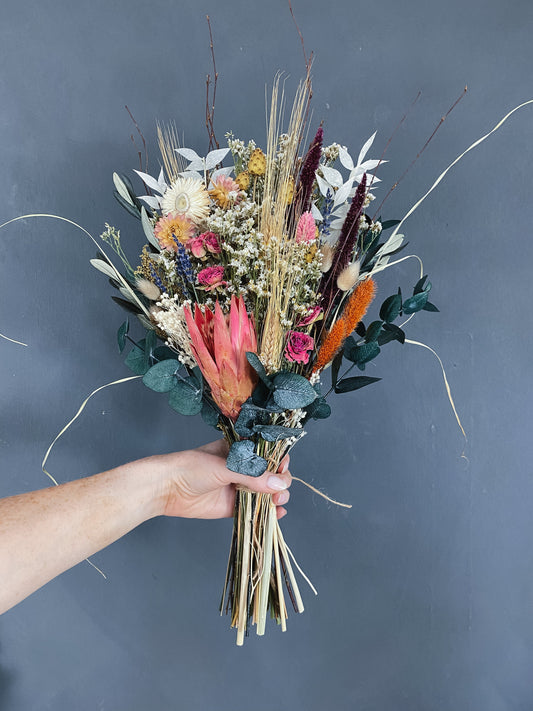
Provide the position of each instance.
(267, 483)
(281, 497)
(219, 447)
(280, 512)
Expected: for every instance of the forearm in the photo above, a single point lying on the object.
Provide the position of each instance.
(43, 533)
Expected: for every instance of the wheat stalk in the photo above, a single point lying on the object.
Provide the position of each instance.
(276, 222)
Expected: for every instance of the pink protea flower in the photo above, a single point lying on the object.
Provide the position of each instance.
(312, 315)
(306, 228)
(298, 347)
(219, 344)
(211, 278)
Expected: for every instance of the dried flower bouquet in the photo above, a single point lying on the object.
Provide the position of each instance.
(255, 278)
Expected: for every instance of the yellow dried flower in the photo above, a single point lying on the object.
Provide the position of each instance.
(310, 254)
(243, 180)
(220, 197)
(257, 162)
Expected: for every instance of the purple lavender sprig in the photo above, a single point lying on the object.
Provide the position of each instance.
(156, 278)
(326, 214)
(183, 264)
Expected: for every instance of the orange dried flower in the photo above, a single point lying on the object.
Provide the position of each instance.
(171, 229)
(331, 345)
(354, 311)
(358, 304)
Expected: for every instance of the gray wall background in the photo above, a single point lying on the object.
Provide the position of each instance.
(426, 584)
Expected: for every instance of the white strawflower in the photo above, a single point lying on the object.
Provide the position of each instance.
(187, 197)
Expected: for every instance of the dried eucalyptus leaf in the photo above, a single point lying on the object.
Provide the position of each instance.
(244, 460)
(161, 377)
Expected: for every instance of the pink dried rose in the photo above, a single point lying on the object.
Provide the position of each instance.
(313, 314)
(211, 242)
(306, 228)
(197, 247)
(298, 347)
(206, 242)
(211, 278)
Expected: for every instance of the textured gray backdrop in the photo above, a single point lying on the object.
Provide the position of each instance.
(426, 584)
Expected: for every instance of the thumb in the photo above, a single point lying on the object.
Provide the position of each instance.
(267, 483)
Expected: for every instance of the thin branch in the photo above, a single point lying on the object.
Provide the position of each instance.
(426, 144)
(210, 103)
(143, 141)
(387, 145)
(307, 61)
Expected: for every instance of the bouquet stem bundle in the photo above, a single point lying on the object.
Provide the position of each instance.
(258, 568)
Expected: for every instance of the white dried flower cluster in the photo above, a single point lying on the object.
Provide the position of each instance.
(331, 153)
(368, 199)
(171, 320)
(306, 265)
(315, 378)
(234, 223)
(111, 234)
(283, 144)
(242, 246)
(241, 151)
(376, 227)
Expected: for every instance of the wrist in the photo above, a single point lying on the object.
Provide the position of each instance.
(156, 482)
(147, 486)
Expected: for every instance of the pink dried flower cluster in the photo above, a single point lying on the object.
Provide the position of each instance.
(206, 242)
(306, 228)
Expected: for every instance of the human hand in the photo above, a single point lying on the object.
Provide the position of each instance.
(196, 483)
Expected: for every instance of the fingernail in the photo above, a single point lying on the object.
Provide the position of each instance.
(274, 482)
(284, 467)
(283, 498)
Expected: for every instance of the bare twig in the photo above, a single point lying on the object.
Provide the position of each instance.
(426, 144)
(387, 145)
(306, 59)
(210, 102)
(143, 141)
